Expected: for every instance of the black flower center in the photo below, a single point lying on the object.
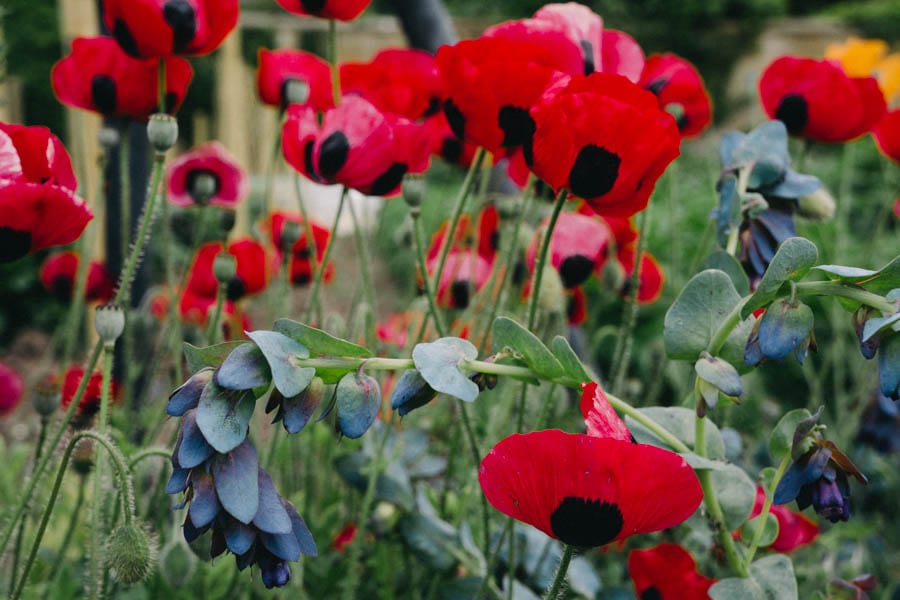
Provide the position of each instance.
(793, 112)
(124, 38)
(656, 86)
(651, 593)
(389, 180)
(575, 269)
(451, 149)
(61, 287)
(455, 118)
(587, 50)
(235, 289)
(460, 292)
(434, 105)
(518, 129)
(312, 6)
(179, 14)
(103, 94)
(586, 523)
(333, 154)
(14, 244)
(594, 172)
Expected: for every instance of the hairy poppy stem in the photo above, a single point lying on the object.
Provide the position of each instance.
(415, 213)
(542, 257)
(213, 327)
(98, 527)
(766, 507)
(556, 589)
(320, 273)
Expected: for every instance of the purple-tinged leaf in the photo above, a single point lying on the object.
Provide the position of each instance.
(301, 531)
(178, 481)
(271, 516)
(187, 396)
(237, 482)
(194, 449)
(224, 416)
(280, 352)
(204, 504)
(238, 536)
(358, 401)
(244, 369)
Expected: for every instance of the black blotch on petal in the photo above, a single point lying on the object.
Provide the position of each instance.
(333, 154)
(123, 36)
(793, 112)
(586, 523)
(520, 273)
(179, 14)
(460, 293)
(308, 158)
(14, 244)
(518, 129)
(171, 101)
(455, 118)
(389, 180)
(594, 172)
(300, 279)
(575, 269)
(434, 105)
(587, 49)
(651, 593)
(234, 289)
(451, 149)
(103, 94)
(61, 287)
(657, 85)
(312, 6)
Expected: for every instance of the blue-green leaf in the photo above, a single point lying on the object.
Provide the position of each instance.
(211, 356)
(237, 482)
(319, 343)
(572, 365)
(280, 352)
(358, 401)
(224, 416)
(794, 258)
(506, 333)
(439, 363)
(245, 368)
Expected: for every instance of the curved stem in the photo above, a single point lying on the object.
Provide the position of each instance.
(142, 455)
(542, 258)
(320, 273)
(648, 423)
(852, 292)
(555, 590)
(766, 507)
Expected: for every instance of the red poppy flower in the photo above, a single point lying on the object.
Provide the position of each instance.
(578, 245)
(622, 55)
(491, 83)
(155, 28)
(342, 10)
(815, 99)
(480, 235)
(651, 277)
(344, 537)
(554, 37)
(34, 217)
(394, 330)
(99, 76)
(277, 68)
(10, 389)
(251, 277)
(404, 82)
(794, 529)
(599, 416)
(58, 274)
(588, 491)
(581, 25)
(208, 174)
(447, 145)
(301, 269)
(34, 155)
(357, 146)
(465, 274)
(680, 91)
(887, 135)
(90, 400)
(605, 140)
(667, 572)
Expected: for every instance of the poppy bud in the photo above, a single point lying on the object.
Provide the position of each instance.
(612, 275)
(224, 267)
(109, 321)
(83, 457)
(45, 398)
(290, 233)
(162, 131)
(228, 218)
(296, 91)
(817, 206)
(108, 137)
(203, 186)
(414, 189)
(130, 553)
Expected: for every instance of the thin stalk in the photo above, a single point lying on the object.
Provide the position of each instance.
(70, 529)
(433, 309)
(366, 273)
(138, 457)
(212, 330)
(766, 507)
(76, 308)
(98, 527)
(494, 557)
(320, 273)
(17, 548)
(307, 227)
(542, 258)
(852, 292)
(556, 588)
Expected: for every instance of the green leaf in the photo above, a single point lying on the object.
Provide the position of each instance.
(775, 575)
(318, 342)
(878, 324)
(280, 352)
(698, 462)
(736, 493)
(721, 375)
(782, 437)
(211, 356)
(506, 333)
(727, 263)
(880, 282)
(223, 416)
(439, 363)
(680, 422)
(571, 364)
(770, 530)
(735, 588)
(794, 258)
(431, 539)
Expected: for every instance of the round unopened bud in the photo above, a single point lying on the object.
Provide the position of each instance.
(109, 321)
(177, 563)
(414, 189)
(224, 267)
(290, 233)
(818, 206)
(109, 137)
(130, 554)
(162, 131)
(203, 187)
(612, 275)
(83, 457)
(296, 91)
(552, 297)
(45, 397)
(227, 221)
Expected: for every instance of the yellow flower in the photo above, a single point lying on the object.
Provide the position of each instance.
(887, 72)
(858, 57)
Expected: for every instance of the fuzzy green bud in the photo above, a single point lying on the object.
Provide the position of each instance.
(290, 233)
(130, 554)
(296, 91)
(224, 267)
(818, 206)
(109, 322)
(203, 187)
(108, 137)
(162, 131)
(612, 275)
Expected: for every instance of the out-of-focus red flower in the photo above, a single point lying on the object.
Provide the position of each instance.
(576, 306)
(465, 273)
(581, 25)
(99, 76)
(58, 274)
(651, 277)
(301, 268)
(342, 10)
(605, 140)
(491, 83)
(38, 205)
(395, 330)
(344, 537)
(357, 146)
(578, 245)
(680, 91)
(90, 400)
(667, 572)
(794, 529)
(887, 135)
(208, 174)
(480, 235)
(588, 491)
(622, 55)
(599, 416)
(447, 145)
(815, 99)
(276, 70)
(401, 81)
(11, 387)
(252, 275)
(155, 28)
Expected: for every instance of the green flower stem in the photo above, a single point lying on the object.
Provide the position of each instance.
(542, 258)
(766, 507)
(851, 292)
(556, 589)
(125, 484)
(212, 330)
(458, 209)
(418, 235)
(76, 307)
(161, 84)
(366, 274)
(712, 503)
(320, 273)
(142, 455)
(730, 321)
(168, 264)
(494, 557)
(625, 339)
(70, 529)
(307, 228)
(98, 527)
